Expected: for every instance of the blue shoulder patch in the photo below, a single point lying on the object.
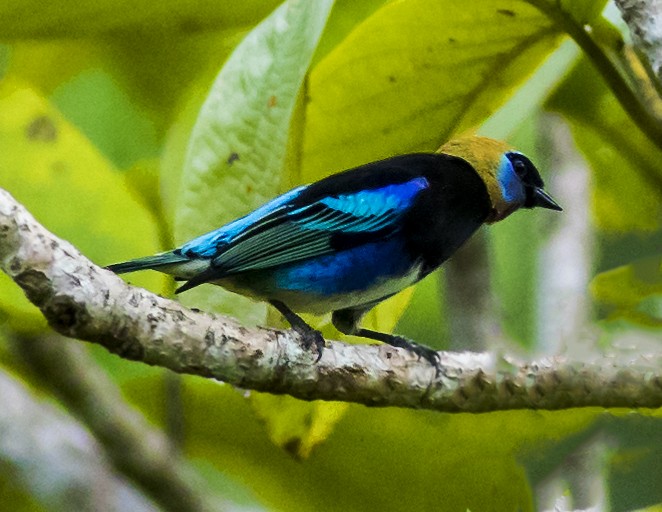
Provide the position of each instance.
(206, 246)
(378, 201)
(367, 210)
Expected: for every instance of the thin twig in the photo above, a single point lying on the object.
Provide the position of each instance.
(642, 114)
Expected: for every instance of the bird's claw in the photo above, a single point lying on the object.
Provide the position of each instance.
(430, 355)
(313, 338)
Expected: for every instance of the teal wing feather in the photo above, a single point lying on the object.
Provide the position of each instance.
(296, 233)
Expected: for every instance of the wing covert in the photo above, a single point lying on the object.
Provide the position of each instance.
(309, 231)
(210, 244)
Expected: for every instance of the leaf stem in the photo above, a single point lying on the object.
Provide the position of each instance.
(642, 113)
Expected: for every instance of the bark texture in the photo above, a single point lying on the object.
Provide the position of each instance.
(644, 19)
(83, 301)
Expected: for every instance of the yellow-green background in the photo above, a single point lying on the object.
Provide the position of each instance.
(98, 104)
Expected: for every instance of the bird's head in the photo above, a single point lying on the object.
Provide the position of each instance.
(512, 180)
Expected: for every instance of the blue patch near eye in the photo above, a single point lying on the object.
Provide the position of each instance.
(510, 184)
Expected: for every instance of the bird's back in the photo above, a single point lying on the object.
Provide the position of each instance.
(381, 226)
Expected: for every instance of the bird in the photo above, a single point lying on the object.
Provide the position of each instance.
(345, 243)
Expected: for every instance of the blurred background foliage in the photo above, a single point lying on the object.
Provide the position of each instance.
(127, 127)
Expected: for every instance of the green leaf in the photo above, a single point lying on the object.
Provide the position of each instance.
(424, 321)
(235, 164)
(416, 72)
(237, 149)
(4, 60)
(582, 11)
(15, 494)
(521, 110)
(345, 15)
(94, 102)
(115, 89)
(47, 64)
(143, 181)
(32, 19)
(70, 187)
(385, 317)
(625, 288)
(295, 425)
(623, 447)
(626, 192)
(377, 458)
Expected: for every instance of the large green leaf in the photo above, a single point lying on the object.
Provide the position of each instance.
(4, 59)
(31, 19)
(95, 103)
(297, 426)
(237, 149)
(624, 289)
(416, 72)
(424, 320)
(116, 91)
(235, 163)
(377, 458)
(345, 15)
(626, 193)
(122, 89)
(69, 187)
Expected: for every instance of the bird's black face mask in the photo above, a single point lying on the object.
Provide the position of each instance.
(535, 195)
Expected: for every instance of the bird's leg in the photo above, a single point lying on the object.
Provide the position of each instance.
(310, 337)
(431, 355)
(346, 321)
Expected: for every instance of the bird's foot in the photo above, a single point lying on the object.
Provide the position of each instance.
(312, 338)
(309, 337)
(430, 355)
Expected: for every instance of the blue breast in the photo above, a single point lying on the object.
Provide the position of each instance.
(349, 271)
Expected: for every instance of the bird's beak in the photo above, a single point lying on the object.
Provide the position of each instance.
(544, 200)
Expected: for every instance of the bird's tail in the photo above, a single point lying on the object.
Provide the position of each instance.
(156, 262)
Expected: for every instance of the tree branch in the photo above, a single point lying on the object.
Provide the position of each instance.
(83, 301)
(644, 19)
(639, 103)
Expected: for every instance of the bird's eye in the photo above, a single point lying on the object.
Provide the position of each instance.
(520, 168)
